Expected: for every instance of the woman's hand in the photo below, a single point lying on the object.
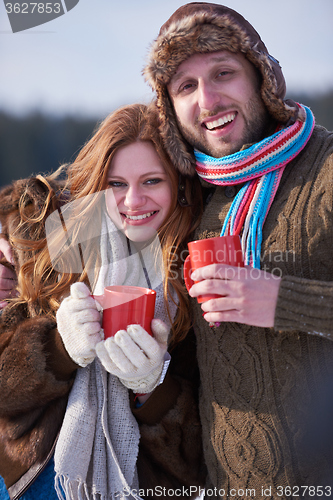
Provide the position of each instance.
(135, 357)
(79, 324)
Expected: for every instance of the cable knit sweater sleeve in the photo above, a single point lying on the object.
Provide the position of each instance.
(305, 301)
(305, 305)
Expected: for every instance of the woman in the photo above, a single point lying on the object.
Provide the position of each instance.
(44, 364)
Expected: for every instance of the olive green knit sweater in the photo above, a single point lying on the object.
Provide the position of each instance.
(267, 394)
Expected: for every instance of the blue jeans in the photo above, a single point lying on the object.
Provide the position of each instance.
(3, 491)
(41, 489)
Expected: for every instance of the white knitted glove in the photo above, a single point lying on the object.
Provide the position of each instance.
(79, 324)
(135, 357)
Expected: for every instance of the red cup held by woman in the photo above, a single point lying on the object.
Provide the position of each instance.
(126, 305)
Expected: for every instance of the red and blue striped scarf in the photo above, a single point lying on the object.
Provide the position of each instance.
(260, 167)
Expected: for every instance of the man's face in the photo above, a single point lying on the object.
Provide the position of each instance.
(217, 102)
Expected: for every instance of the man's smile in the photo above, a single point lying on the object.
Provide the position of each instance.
(220, 122)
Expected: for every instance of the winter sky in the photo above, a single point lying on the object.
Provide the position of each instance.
(89, 61)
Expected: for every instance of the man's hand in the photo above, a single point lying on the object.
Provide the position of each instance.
(8, 279)
(248, 295)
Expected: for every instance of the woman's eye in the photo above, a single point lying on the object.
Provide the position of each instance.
(116, 184)
(153, 181)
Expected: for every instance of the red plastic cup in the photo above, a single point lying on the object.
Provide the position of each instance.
(126, 305)
(219, 250)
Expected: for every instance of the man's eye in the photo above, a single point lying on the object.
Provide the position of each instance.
(224, 73)
(186, 87)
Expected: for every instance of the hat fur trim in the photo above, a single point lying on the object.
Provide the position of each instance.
(207, 30)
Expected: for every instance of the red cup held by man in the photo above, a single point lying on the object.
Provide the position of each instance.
(219, 250)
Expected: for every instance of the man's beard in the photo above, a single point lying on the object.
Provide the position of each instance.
(258, 124)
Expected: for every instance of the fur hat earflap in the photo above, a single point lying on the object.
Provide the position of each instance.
(23, 192)
(27, 202)
(198, 28)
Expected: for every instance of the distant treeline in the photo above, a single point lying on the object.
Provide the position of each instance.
(37, 143)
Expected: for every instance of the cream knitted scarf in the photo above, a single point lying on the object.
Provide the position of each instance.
(96, 453)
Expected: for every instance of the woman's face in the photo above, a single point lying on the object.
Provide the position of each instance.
(140, 196)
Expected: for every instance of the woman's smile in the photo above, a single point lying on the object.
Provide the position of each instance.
(139, 199)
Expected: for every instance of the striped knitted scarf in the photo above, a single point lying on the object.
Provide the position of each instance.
(260, 167)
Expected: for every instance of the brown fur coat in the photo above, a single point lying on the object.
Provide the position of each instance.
(35, 371)
(36, 375)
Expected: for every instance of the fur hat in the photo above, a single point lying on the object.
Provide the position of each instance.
(201, 27)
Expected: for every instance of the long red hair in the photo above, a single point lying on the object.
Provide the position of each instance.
(86, 176)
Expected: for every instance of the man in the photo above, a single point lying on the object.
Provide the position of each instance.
(266, 365)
